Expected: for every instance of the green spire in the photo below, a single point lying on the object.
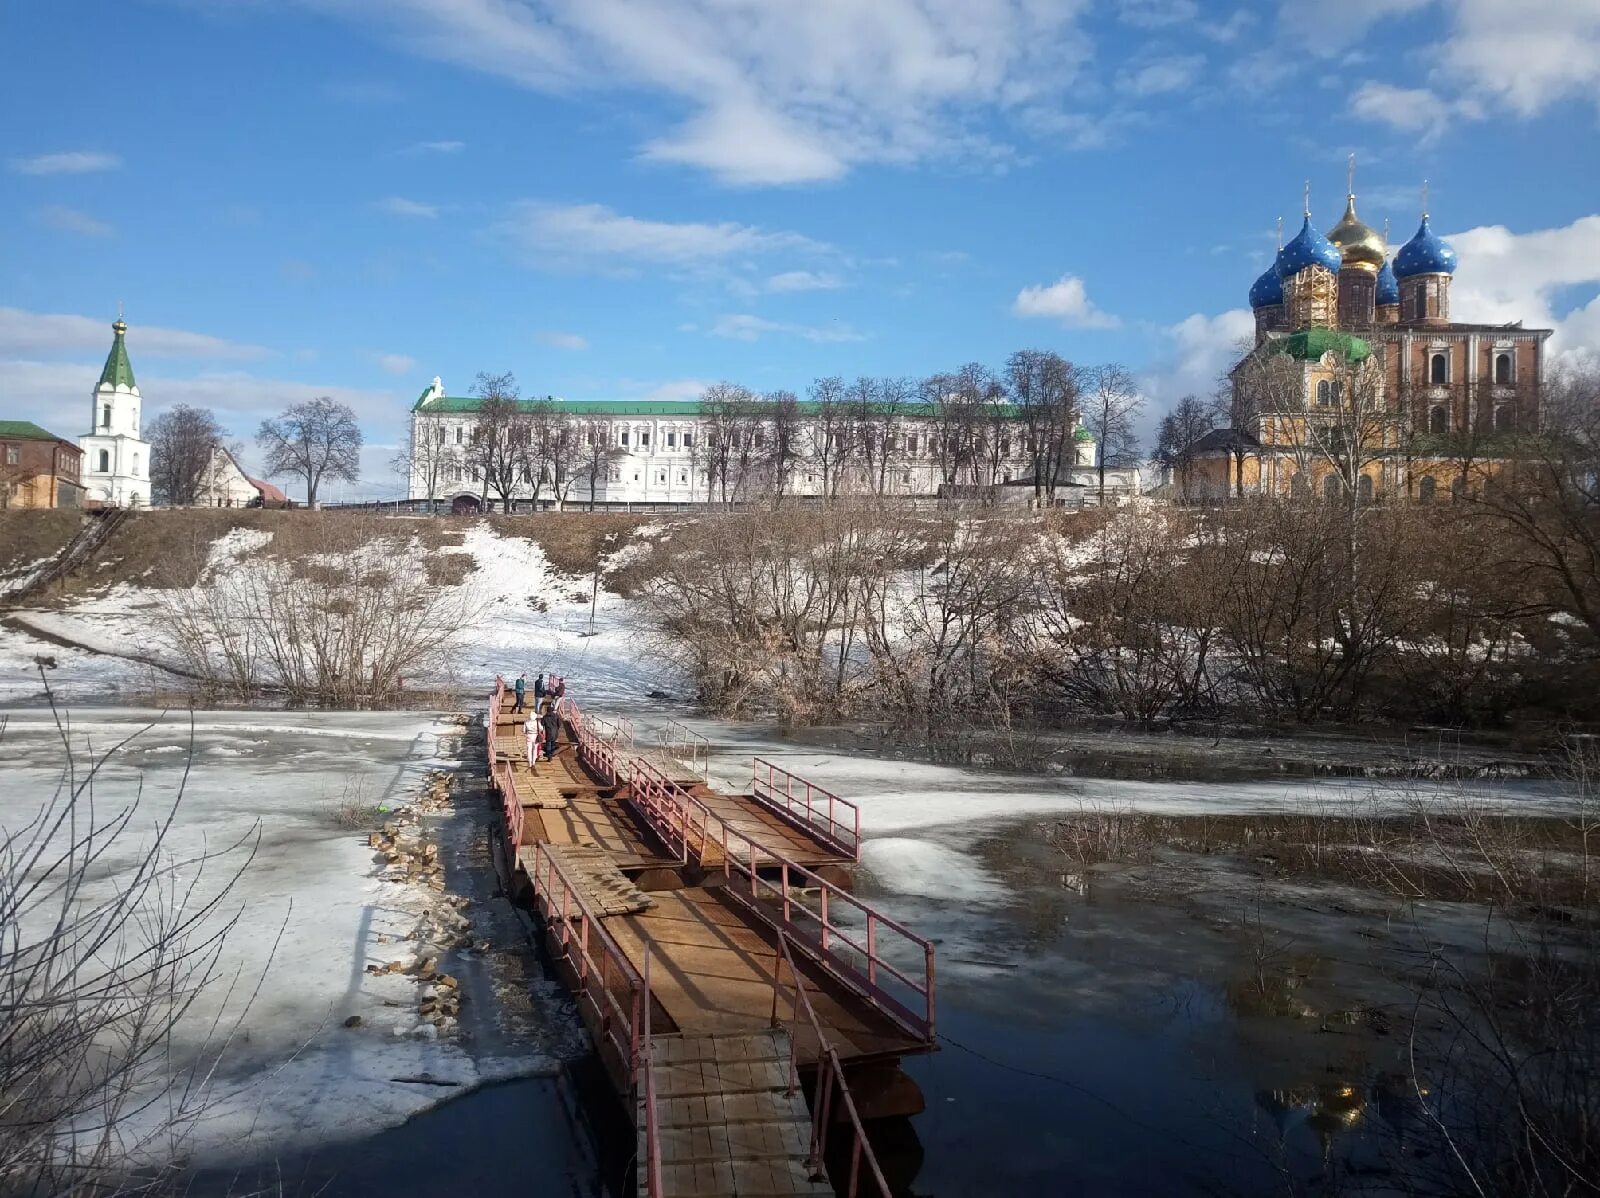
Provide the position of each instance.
(118, 371)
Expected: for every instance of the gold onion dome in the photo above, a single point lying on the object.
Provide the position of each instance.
(1359, 245)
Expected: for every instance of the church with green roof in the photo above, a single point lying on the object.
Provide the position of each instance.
(116, 460)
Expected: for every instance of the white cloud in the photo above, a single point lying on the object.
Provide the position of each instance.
(1528, 55)
(1161, 75)
(69, 162)
(559, 340)
(1505, 276)
(1327, 27)
(1066, 300)
(594, 235)
(435, 147)
(802, 280)
(400, 206)
(746, 327)
(775, 93)
(70, 220)
(1157, 14)
(669, 390)
(397, 363)
(1408, 109)
(39, 333)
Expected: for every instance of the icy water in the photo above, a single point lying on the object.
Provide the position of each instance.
(1115, 1034)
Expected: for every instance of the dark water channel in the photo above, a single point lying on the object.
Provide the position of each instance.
(534, 1136)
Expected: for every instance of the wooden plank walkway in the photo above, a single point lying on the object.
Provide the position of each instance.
(604, 888)
(712, 973)
(727, 1127)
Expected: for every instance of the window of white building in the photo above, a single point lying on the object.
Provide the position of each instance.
(672, 440)
(624, 438)
(688, 440)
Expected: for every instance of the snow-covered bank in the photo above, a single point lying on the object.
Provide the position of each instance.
(524, 616)
(314, 912)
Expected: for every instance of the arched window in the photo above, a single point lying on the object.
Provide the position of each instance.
(1330, 487)
(1458, 488)
(1297, 485)
(1438, 370)
(105, 462)
(1504, 418)
(1502, 368)
(136, 462)
(1426, 488)
(1324, 393)
(1364, 488)
(105, 416)
(438, 438)
(1439, 420)
(458, 434)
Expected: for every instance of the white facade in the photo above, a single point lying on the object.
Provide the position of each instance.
(224, 484)
(116, 462)
(656, 456)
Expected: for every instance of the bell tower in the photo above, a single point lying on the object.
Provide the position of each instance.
(116, 462)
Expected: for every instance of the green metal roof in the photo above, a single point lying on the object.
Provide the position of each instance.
(118, 371)
(686, 408)
(26, 430)
(1310, 344)
(1083, 434)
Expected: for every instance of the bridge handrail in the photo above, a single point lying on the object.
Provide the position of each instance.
(830, 1080)
(652, 1129)
(595, 752)
(839, 824)
(686, 745)
(618, 730)
(500, 774)
(683, 822)
(600, 963)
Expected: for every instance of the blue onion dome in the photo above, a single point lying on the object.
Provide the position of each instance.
(1268, 289)
(1309, 248)
(1424, 254)
(1388, 286)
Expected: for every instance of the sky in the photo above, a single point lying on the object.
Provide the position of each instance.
(634, 198)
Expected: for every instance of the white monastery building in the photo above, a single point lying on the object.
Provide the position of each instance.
(665, 452)
(116, 463)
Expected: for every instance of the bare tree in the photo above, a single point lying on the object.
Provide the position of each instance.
(557, 450)
(1189, 420)
(780, 415)
(830, 431)
(1045, 386)
(594, 451)
(183, 441)
(425, 460)
(316, 440)
(876, 407)
(1111, 405)
(108, 939)
(500, 446)
(727, 447)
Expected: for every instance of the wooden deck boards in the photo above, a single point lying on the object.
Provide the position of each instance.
(727, 1126)
(745, 816)
(711, 973)
(604, 888)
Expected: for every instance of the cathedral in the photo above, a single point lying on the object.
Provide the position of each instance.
(1359, 378)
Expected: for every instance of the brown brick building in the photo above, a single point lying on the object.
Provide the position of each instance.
(38, 468)
(1360, 379)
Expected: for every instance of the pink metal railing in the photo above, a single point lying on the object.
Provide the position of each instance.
(877, 956)
(607, 984)
(687, 746)
(595, 752)
(830, 1082)
(500, 774)
(833, 820)
(645, 1086)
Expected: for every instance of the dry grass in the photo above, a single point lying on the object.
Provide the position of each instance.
(27, 535)
(572, 541)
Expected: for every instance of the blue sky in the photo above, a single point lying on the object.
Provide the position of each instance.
(617, 199)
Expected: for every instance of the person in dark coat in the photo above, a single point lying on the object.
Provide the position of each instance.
(521, 688)
(538, 690)
(552, 727)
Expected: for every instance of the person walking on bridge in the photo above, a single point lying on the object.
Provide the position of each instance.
(521, 688)
(552, 728)
(538, 690)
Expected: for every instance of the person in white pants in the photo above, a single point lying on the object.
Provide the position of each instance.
(535, 736)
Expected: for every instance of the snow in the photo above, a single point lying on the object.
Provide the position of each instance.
(312, 912)
(526, 617)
